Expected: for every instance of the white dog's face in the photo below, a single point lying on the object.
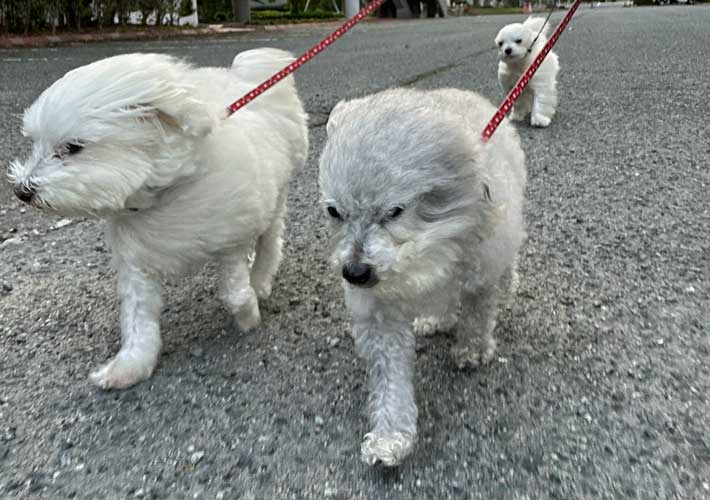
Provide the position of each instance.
(372, 244)
(399, 203)
(106, 134)
(84, 167)
(513, 42)
(401, 237)
(399, 250)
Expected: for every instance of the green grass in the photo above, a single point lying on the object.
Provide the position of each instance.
(486, 11)
(285, 16)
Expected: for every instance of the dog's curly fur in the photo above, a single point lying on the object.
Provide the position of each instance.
(427, 221)
(517, 49)
(137, 139)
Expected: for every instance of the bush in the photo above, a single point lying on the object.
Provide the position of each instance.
(186, 8)
(272, 16)
(25, 16)
(214, 11)
(221, 16)
(32, 16)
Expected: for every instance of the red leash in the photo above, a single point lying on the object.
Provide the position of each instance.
(323, 44)
(525, 79)
(320, 46)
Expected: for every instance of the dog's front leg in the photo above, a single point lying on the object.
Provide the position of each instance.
(523, 107)
(236, 291)
(388, 350)
(141, 301)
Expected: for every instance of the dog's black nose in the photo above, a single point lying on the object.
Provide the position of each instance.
(508, 51)
(24, 192)
(359, 274)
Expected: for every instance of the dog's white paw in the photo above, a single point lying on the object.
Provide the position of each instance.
(263, 290)
(537, 120)
(473, 357)
(425, 326)
(123, 371)
(244, 307)
(248, 316)
(429, 325)
(388, 450)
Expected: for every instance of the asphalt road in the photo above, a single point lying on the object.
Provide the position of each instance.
(601, 386)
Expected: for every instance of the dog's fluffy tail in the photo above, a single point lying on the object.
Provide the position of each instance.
(535, 24)
(252, 67)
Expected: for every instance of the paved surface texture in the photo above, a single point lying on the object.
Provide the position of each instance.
(601, 386)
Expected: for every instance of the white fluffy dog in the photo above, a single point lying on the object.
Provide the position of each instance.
(517, 49)
(137, 139)
(427, 221)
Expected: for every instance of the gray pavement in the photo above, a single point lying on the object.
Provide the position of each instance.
(601, 386)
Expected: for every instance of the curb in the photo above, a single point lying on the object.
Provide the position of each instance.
(214, 30)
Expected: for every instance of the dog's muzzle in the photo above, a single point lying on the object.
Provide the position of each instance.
(359, 274)
(24, 192)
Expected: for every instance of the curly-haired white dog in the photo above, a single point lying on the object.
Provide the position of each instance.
(427, 220)
(137, 139)
(517, 49)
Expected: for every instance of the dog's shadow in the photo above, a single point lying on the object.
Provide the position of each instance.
(460, 406)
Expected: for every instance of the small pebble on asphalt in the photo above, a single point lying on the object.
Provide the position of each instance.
(196, 457)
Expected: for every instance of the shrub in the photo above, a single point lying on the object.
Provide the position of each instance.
(24, 16)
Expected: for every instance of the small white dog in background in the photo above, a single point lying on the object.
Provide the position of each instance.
(137, 139)
(517, 49)
(427, 220)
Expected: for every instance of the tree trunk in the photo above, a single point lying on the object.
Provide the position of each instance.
(241, 11)
(27, 21)
(98, 5)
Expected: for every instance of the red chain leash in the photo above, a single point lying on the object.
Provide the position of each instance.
(320, 46)
(525, 79)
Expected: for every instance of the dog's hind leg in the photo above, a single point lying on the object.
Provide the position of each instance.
(388, 350)
(268, 255)
(236, 291)
(475, 344)
(509, 283)
(140, 297)
(543, 107)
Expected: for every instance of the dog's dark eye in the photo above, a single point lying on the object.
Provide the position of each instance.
(395, 212)
(500, 44)
(68, 149)
(73, 148)
(486, 193)
(518, 41)
(333, 212)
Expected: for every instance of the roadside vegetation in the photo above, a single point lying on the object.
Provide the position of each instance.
(52, 16)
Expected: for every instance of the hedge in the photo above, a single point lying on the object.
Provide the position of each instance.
(25, 16)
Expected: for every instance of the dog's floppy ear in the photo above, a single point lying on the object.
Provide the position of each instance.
(184, 112)
(153, 83)
(537, 25)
